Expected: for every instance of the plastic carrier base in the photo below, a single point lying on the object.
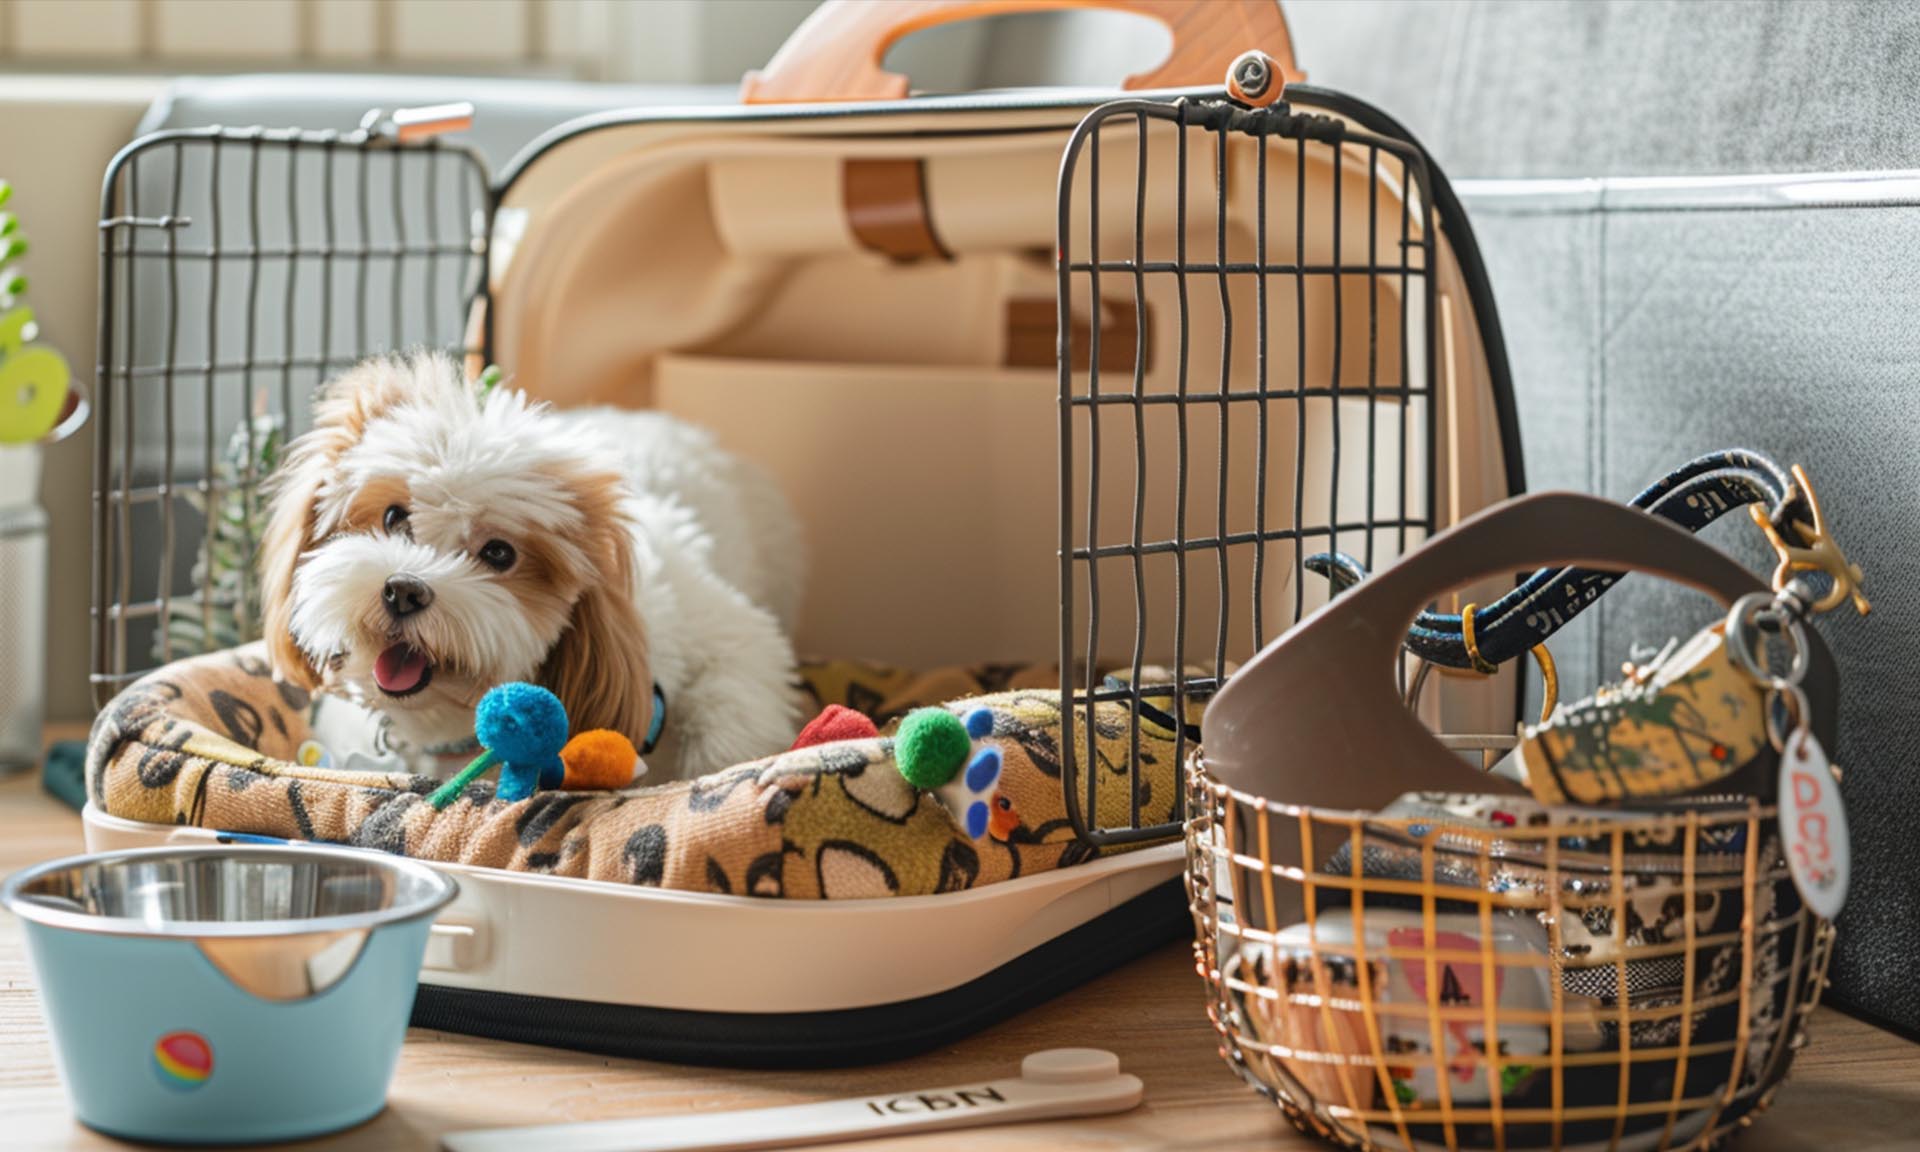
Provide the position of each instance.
(849, 1036)
(738, 981)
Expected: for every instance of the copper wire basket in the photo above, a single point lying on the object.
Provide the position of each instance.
(1320, 933)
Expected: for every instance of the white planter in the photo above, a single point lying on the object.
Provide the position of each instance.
(23, 608)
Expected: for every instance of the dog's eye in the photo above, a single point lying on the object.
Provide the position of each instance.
(497, 555)
(396, 519)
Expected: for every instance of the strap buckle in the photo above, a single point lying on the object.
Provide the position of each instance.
(1819, 552)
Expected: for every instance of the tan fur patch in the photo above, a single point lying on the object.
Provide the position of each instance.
(599, 668)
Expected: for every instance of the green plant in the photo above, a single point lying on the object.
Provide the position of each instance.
(223, 609)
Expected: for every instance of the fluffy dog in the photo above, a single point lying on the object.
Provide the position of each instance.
(427, 543)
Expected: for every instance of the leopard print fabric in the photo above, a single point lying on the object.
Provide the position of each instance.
(210, 742)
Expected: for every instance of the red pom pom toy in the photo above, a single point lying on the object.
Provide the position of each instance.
(835, 722)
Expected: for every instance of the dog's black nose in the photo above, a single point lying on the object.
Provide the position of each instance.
(404, 595)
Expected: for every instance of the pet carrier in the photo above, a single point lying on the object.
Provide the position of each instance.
(1047, 375)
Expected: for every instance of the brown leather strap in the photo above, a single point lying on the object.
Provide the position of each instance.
(1033, 336)
(1315, 719)
(886, 202)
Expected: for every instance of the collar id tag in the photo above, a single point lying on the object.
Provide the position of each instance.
(1813, 825)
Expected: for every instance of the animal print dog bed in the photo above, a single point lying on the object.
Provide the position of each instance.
(211, 742)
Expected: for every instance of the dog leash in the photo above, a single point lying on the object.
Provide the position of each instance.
(1692, 496)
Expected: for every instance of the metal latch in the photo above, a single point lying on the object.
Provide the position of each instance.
(406, 125)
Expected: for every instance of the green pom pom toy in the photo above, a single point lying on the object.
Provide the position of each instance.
(930, 747)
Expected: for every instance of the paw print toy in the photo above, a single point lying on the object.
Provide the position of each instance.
(938, 752)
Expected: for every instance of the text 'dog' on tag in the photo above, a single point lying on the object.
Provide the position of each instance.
(1813, 825)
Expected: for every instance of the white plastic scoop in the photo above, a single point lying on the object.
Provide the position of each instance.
(1056, 1083)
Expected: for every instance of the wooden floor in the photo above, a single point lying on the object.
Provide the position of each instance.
(1856, 1089)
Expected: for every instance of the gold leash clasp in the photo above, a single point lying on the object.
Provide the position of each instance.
(1819, 553)
(1549, 675)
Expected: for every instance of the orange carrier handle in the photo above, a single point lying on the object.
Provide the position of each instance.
(836, 54)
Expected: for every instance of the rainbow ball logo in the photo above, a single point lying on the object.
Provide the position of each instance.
(183, 1060)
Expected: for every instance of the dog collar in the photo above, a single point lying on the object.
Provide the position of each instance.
(658, 722)
(385, 743)
(465, 747)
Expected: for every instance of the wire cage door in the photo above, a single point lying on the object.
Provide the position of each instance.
(1246, 379)
(238, 270)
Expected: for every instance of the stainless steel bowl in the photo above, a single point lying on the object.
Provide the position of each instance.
(226, 891)
(227, 994)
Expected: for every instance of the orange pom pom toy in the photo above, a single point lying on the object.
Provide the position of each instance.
(600, 758)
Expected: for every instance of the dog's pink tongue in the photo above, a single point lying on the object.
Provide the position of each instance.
(400, 668)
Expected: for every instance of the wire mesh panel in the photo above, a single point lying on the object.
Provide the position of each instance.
(238, 270)
(1265, 272)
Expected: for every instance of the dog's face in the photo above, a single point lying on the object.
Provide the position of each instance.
(426, 545)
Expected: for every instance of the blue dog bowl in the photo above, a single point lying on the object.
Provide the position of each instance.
(222, 994)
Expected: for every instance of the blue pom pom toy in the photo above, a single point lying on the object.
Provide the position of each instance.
(523, 727)
(526, 726)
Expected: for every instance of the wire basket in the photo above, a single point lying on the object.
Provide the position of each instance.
(1321, 933)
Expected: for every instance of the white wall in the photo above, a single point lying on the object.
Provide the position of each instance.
(636, 41)
(56, 136)
(656, 41)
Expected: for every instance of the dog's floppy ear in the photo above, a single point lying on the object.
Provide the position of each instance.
(599, 667)
(289, 530)
(341, 415)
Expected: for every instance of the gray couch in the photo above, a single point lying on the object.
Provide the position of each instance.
(1649, 320)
